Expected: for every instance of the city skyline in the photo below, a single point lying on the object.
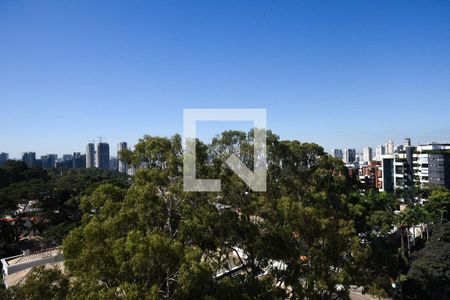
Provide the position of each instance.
(83, 148)
(338, 74)
(272, 149)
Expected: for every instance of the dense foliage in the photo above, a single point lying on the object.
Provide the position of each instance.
(51, 201)
(429, 276)
(313, 233)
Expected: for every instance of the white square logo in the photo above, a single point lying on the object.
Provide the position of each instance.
(256, 180)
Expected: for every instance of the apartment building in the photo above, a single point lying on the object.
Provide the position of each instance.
(424, 165)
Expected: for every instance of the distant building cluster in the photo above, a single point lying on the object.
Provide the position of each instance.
(387, 168)
(96, 156)
(400, 166)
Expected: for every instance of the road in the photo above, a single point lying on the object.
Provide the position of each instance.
(354, 295)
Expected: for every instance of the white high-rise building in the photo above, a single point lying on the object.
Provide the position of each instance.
(367, 154)
(432, 164)
(390, 147)
(123, 167)
(349, 156)
(337, 153)
(379, 151)
(90, 155)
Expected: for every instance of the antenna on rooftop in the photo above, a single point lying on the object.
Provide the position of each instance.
(100, 138)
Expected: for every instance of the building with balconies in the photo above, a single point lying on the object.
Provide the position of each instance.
(386, 180)
(432, 165)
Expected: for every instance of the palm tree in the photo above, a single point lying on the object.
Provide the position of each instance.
(424, 218)
(413, 219)
(402, 224)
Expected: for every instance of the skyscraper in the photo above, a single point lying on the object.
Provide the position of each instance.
(367, 154)
(123, 168)
(3, 158)
(90, 155)
(379, 151)
(49, 161)
(349, 156)
(103, 156)
(390, 147)
(407, 143)
(337, 153)
(79, 161)
(387, 173)
(29, 158)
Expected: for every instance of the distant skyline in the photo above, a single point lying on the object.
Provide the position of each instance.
(206, 136)
(342, 74)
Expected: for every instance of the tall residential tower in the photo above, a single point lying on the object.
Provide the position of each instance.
(102, 156)
(337, 153)
(123, 168)
(367, 154)
(390, 147)
(90, 155)
(349, 156)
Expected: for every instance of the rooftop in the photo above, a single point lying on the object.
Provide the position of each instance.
(33, 256)
(17, 268)
(20, 277)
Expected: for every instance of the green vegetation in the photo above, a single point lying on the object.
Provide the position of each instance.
(429, 276)
(313, 233)
(52, 200)
(40, 284)
(436, 152)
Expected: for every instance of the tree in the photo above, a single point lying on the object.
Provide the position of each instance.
(374, 217)
(404, 222)
(128, 244)
(429, 276)
(438, 204)
(42, 283)
(8, 239)
(57, 195)
(310, 233)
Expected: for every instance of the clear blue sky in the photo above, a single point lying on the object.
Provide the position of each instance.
(339, 73)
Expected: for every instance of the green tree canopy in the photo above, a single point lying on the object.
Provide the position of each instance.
(311, 234)
(429, 276)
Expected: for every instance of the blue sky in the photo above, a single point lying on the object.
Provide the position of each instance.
(339, 73)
